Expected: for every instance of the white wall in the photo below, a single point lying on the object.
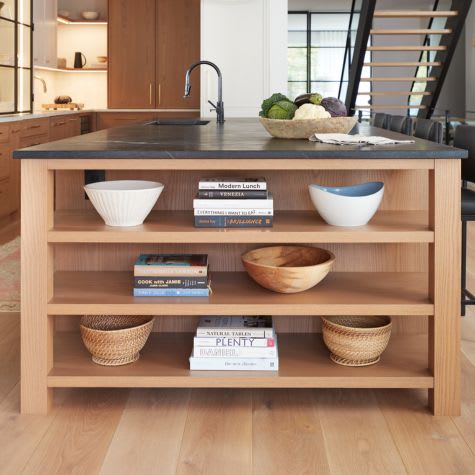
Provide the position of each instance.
(247, 39)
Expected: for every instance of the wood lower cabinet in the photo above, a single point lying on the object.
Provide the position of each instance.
(64, 126)
(151, 44)
(106, 120)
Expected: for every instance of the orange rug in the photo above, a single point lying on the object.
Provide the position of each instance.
(10, 276)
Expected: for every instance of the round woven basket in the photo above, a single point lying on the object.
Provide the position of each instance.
(356, 341)
(115, 340)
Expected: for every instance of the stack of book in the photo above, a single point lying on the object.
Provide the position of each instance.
(233, 202)
(171, 275)
(235, 344)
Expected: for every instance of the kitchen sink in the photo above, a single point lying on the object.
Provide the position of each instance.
(178, 122)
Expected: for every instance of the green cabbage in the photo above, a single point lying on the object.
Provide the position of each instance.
(284, 110)
(268, 103)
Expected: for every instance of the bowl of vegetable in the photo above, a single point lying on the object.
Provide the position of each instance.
(307, 115)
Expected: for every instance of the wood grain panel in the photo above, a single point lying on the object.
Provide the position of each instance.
(131, 51)
(178, 47)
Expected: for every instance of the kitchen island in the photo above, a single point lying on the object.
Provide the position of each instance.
(404, 263)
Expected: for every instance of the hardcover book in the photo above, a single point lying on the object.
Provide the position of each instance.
(175, 265)
(233, 364)
(232, 183)
(233, 221)
(144, 282)
(232, 195)
(236, 326)
(233, 352)
(233, 204)
(171, 292)
(238, 341)
(233, 212)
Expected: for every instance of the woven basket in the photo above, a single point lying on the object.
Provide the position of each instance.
(115, 340)
(356, 341)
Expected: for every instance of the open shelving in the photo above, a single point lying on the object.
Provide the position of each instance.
(75, 265)
(303, 363)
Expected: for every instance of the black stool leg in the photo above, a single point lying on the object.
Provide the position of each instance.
(464, 265)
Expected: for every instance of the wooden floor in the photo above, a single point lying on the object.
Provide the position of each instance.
(288, 432)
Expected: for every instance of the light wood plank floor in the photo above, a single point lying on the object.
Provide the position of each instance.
(288, 432)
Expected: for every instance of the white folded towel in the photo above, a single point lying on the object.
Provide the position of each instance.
(346, 139)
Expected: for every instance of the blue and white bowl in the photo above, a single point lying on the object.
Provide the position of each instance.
(347, 205)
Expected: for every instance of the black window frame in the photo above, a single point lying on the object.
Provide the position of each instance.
(16, 66)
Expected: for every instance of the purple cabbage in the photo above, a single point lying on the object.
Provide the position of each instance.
(334, 106)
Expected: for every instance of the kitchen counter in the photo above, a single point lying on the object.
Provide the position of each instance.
(404, 263)
(237, 138)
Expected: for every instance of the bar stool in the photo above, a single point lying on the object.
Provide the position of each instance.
(379, 120)
(429, 130)
(401, 124)
(465, 138)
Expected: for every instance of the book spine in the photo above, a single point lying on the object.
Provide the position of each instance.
(171, 292)
(141, 282)
(232, 195)
(245, 332)
(232, 186)
(233, 221)
(233, 352)
(233, 212)
(168, 271)
(234, 364)
(234, 204)
(239, 342)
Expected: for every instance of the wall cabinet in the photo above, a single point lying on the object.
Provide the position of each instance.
(151, 44)
(45, 48)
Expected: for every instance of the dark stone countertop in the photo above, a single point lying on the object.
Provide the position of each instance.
(237, 138)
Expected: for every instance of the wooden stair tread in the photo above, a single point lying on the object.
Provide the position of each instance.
(414, 31)
(407, 48)
(395, 64)
(398, 93)
(402, 78)
(389, 106)
(414, 13)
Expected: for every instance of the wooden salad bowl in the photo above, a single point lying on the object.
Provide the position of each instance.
(304, 129)
(288, 269)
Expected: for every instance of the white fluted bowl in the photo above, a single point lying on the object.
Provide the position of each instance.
(347, 205)
(124, 202)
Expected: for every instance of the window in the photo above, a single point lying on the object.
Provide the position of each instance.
(316, 51)
(15, 56)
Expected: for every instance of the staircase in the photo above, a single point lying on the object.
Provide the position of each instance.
(418, 80)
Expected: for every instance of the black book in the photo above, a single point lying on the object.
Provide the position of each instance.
(233, 194)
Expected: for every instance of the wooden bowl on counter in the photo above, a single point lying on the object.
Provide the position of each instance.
(288, 269)
(303, 129)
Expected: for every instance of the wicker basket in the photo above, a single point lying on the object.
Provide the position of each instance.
(115, 340)
(356, 341)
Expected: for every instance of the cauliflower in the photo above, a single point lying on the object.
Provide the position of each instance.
(311, 111)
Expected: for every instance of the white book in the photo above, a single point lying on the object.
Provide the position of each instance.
(233, 212)
(230, 341)
(233, 364)
(204, 203)
(217, 326)
(232, 183)
(233, 352)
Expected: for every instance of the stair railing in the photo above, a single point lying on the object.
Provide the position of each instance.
(347, 53)
(455, 23)
(359, 52)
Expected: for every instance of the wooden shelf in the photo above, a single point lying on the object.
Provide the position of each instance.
(303, 360)
(67, 21)
(289, 227)
(235, 293)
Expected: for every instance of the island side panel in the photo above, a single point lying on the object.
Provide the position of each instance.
(37, 208)
(444, 287)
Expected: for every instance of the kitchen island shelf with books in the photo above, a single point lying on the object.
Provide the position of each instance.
(404, 263)
(82, 226)
(234, 293)
(303, 364)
